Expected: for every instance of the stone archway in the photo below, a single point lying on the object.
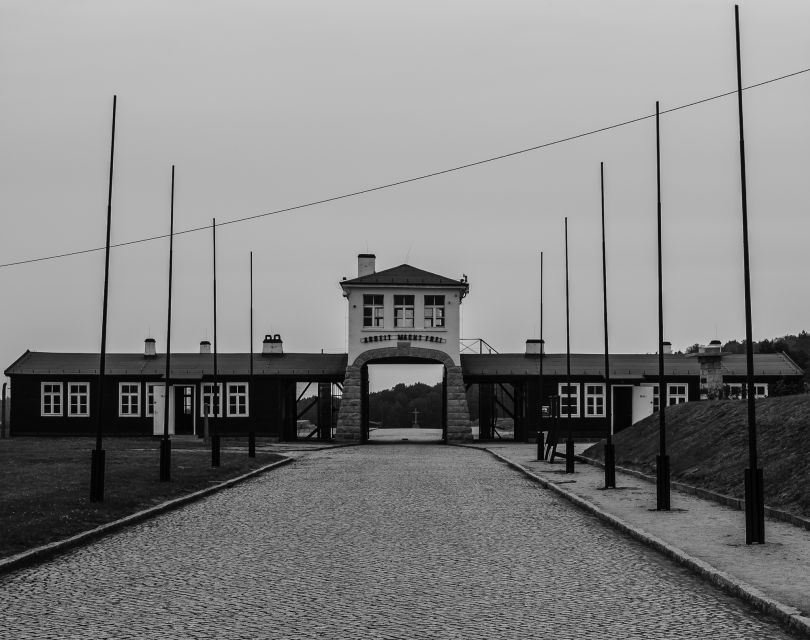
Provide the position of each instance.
(349, 425)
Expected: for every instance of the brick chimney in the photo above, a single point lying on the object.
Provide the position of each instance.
(366, 264)
(205, 346)
(272, 345)
(149, 348)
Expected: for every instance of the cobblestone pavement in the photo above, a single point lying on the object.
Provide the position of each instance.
(383, 541)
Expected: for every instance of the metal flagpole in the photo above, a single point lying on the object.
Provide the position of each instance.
(540, 454)
(166, 443)
(754, 486)
(569, 442)
(662, 460)
(252, 432)
(97, 456)
(610, 449)
(217, 399)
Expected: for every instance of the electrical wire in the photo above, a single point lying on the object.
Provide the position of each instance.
(398, 183)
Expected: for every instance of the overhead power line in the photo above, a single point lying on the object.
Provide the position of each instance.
(424, 176)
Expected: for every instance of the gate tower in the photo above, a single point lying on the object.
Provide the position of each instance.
(402, 315)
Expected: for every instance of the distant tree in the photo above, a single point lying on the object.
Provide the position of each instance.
(693, 349)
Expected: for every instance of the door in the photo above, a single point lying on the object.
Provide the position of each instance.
(642, 402)
(158, 418)
(183, 410)
(622, 408)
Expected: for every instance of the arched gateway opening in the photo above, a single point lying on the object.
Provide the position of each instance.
(354, 418)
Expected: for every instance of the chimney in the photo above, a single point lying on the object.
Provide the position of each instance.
(365, 264)
(205, 346)
(667, 348)
(272, 345)
(535, 347)
(149, 348)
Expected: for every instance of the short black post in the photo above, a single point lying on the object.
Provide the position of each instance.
(540, 445)
(662, 482)
(251, 445)
(610, 465)
(165, 459)
(97, 457)
(214, 450)
(3, 427)
(569, 454)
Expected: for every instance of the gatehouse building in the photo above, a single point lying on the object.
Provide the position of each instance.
(399, 315)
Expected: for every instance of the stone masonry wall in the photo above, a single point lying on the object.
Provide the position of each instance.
(458, 414)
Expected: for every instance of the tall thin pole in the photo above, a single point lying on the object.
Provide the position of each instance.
(662, 461)
(540, 455)
(610, 451)
(569, 442)
(252, 432)
(97, 456)
(217, 399)
(754, 489)
(165, 443)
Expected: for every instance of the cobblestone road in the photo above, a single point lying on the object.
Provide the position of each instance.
(384, 541)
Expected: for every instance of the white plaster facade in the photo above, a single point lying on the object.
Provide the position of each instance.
(375, 332)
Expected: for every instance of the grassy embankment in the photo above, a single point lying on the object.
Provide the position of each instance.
(707, 443)
(45, 482)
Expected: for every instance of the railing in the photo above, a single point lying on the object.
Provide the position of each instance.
(476, 345)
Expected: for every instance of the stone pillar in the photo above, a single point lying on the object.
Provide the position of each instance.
(711, 376)
(348, 424)
(458, 413)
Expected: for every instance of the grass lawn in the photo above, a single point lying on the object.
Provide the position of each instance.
(707, 443)
(45, 482)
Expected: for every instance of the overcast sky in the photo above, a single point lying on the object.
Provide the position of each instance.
(264, 105)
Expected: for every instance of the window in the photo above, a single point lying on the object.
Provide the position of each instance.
(738, 390)
(150, 397)
(434, 312)
(676, 394)
(403, 311)
(569, 400)
(373, 310)
(79, 399)
(51, 398)
(129, 399)
(594, 400)
(210, 403)
(237, 399)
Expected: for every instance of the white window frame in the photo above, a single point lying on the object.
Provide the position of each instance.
(149, 407)
(405, 308)
(130, 395)
(434, 314)
(594, 391)
(679, 398)
(574, 398)
(238, 394)
(760, 390)
(377, 318)
(204, 395)
(71, 393)
(53, 393)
